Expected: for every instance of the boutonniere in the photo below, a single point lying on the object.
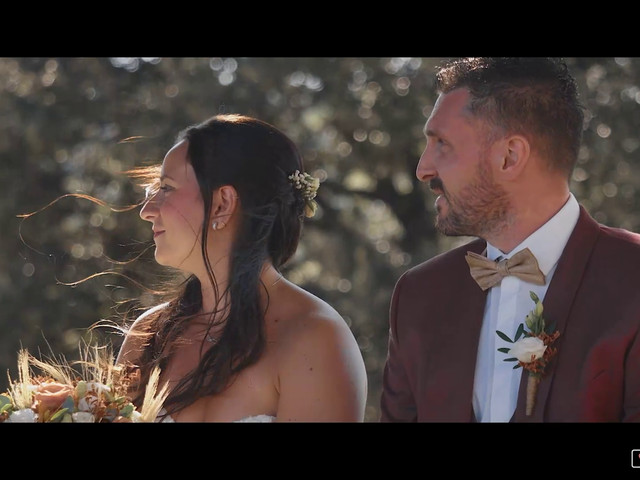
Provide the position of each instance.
(533, 351)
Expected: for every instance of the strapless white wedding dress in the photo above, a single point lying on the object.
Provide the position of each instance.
(256, 419)
(251, 419)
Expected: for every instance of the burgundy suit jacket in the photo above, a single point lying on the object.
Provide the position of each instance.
(594, 298)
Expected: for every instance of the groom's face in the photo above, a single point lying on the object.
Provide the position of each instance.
(457, 166)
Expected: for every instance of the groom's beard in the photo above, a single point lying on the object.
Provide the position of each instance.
(481, 208)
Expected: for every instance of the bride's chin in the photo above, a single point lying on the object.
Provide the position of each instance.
(161, 260)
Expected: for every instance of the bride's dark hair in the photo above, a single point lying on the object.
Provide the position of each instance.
(256, 159)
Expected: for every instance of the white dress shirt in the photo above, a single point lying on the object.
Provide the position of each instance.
(495, 389)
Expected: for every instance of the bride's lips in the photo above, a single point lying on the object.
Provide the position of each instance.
(157, 233)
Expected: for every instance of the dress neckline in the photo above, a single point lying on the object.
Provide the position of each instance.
(262, 418)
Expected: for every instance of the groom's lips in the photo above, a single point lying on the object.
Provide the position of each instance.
(437, 190)
(436, 186)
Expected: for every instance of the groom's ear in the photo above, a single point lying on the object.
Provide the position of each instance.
(512, 157)
(224, 204)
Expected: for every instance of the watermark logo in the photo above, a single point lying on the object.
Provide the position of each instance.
(635, 458)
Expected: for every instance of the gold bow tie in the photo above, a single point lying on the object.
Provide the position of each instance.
(488, 273)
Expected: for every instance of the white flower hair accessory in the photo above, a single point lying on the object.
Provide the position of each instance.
(308, 186)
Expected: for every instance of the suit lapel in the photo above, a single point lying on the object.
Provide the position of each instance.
(468, 315)
(449, 348)
(557, 306)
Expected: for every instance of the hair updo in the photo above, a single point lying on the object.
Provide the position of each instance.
(256, 159)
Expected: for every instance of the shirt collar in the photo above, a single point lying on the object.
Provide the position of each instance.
(548, 242)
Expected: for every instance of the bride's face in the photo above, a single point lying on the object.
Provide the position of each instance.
(176, 212)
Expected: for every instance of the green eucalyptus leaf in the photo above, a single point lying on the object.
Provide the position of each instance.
(68, 403)
(516, 366)
(503, 336)
(127, 410)
(504, 349)
(519, 332)
(81, 389)
(57, 417)
(533, 296)
(510, 359)
(110, 414)
(6, 407)
(4, 400)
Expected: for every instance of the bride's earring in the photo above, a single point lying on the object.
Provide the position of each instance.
(214, 225)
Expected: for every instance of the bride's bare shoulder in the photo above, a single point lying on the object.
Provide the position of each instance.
(131, 346)
(300, 318)
(150, 312)
(318, 362)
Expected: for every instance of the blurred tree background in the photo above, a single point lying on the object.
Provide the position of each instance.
(358, 123)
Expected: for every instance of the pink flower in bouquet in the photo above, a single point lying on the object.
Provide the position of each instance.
(97, 394)
(50, 396)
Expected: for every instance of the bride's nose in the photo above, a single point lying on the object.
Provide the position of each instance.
(149, 210)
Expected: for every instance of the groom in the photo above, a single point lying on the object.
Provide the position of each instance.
(502, 142)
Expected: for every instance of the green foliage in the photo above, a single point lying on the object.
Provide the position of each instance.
(358, 122)
(5, 404)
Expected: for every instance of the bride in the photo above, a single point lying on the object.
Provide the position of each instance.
(236, 341)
